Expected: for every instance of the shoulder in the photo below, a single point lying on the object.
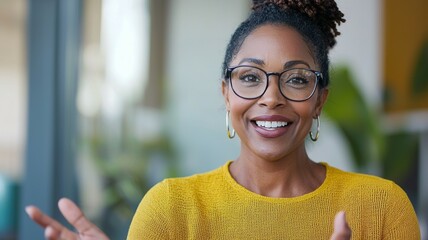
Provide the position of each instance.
(359, 181)
(200, 178)
(176, 187)
(366, 195)
(168, 201)
(351, 186)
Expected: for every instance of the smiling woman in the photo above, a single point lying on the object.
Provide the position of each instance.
(275, 47)
(275, 84)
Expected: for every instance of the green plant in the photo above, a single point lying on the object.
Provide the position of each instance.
(355, 118)
(361, 127)
(125, 163)
(420, 75)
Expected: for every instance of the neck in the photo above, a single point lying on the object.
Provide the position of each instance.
(290, 176)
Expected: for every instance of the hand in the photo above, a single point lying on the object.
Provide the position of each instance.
(86, 230)
(342, 231)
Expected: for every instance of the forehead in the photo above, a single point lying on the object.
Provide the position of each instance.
(275, 44)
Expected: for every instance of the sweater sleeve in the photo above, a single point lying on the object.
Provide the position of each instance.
(401, 221)
(150, 221)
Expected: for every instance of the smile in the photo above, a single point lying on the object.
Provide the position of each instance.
(271, 124)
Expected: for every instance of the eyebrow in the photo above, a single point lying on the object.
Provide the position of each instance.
(287, 65)
(291, 64)
(252, 60)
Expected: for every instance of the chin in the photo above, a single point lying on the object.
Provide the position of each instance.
(274, 151)
(270, 154)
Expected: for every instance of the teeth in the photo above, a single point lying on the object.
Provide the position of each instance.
(269, 124)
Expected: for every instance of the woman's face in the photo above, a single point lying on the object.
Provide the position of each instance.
(273, 48)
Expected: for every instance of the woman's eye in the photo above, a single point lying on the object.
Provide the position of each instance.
(297, 82)
(249, 78)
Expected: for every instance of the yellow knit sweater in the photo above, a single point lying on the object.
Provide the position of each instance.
(214, 206)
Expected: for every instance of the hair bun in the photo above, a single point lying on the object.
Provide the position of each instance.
(324, 13)
(257, 2)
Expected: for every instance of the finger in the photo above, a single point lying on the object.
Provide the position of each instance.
(40, 218)
(53, 229)
(342, 231)
(75, 217)
(64, 234)
(51, 233)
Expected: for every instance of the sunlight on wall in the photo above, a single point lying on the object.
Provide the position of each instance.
(13, 84)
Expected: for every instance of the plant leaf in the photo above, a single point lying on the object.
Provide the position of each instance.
(420, 75)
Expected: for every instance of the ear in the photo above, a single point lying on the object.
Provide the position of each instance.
(322, 98)
(225, 92)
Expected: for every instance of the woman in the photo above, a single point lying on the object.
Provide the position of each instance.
(275, 84)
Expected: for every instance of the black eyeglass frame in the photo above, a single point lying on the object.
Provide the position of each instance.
(318, 75)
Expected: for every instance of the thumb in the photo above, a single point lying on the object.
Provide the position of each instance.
(342, 231)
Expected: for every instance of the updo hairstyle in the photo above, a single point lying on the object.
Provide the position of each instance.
(315, 20)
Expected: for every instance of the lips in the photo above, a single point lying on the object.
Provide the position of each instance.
(271, 126)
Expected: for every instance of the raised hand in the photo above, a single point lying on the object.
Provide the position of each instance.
(86, 230)
(342, 231)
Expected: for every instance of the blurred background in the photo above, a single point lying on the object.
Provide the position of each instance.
(101, 99)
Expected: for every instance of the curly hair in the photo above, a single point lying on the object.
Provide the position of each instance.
(315, 20)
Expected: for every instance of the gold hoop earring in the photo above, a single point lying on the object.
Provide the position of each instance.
(230, 135)
(317, 134)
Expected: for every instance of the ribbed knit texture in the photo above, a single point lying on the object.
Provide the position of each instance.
(214, 206)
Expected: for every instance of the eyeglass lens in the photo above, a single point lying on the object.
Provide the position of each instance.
(295, 84)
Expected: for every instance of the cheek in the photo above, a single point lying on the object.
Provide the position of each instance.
(306, 112)
(238, 108)
(237, 104)
(307, 109)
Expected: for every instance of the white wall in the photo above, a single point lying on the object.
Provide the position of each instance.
(13, 87)
(360, 45)
(197, 38)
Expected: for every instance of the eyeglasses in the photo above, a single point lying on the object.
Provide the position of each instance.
(297, 84)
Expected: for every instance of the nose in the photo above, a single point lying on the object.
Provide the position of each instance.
(272, 98)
